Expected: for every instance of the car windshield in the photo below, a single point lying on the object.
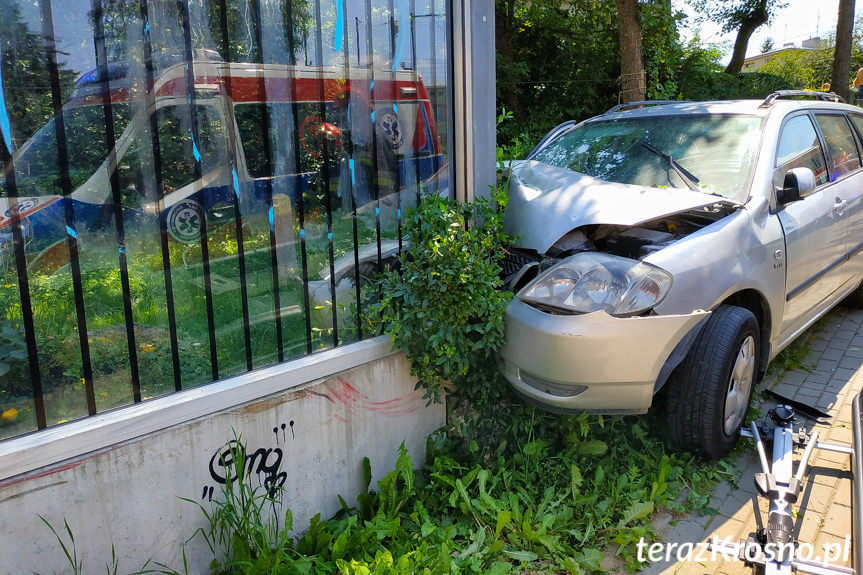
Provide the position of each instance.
(713, 154)
(36, 168)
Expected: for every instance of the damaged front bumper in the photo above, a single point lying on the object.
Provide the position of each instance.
(593, 362)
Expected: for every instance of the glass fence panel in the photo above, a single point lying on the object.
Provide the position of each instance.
(194, 189)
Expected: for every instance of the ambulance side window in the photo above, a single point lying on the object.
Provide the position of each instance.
(307, 134)
(178, 149)
(251, 119)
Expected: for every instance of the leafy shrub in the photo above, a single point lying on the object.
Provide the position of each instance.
(553, 494)
(13, 361)
(444, 305)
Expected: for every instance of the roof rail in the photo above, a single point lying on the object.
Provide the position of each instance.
(643, 104)
(820, 96)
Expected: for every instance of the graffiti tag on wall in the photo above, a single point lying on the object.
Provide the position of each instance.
(264, 464)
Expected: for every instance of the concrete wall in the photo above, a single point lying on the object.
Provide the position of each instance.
(311, 438)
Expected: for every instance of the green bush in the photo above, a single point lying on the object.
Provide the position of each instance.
(443, 306)
(552, 495)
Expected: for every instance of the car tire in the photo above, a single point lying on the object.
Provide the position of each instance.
(710, 391)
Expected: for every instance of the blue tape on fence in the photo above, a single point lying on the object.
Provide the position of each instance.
(272, 217)
(396, 108)
(353, 172)
(5, 128)
(195, 151)
(236, 181)
(330, 237)
(399, 213)
(71, 232)
(302, 234)
(340, 28)
(403, 33)
(373, 115)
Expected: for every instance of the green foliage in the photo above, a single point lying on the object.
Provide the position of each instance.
(701, 77)
(809, 69)
(444, 306)
(551, 494)
(242, 533)
(732, 14)
(554, 63)
(13, 361)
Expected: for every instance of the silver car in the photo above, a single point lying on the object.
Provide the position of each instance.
(679, 247)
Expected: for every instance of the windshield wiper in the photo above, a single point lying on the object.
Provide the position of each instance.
(684, 174)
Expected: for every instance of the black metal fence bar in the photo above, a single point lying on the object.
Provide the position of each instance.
(196, 60)
(160, 192)
(269, 172)
(346, 42)
(319, 48)
(183, 7)
(397, 184)
(110, 145)
(233, 154)
(376, 194)
(24, 288)
(301, 216)
(68, 209)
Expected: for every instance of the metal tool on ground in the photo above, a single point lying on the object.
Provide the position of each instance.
(773, 549)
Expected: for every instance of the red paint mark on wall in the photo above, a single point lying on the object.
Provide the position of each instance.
(343, 393)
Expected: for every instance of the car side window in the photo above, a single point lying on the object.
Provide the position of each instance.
(799, 147)
(857, 120)
(841, 147)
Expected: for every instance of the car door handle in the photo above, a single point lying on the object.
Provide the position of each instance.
(839, 206)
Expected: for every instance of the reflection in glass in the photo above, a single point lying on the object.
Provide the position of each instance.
(220, 178)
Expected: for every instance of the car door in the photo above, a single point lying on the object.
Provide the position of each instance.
(846, 179)
(815, 227)
(854, 209)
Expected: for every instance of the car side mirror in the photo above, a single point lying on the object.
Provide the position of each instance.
(799, 183)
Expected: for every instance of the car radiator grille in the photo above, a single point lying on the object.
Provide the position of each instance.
(514, 260)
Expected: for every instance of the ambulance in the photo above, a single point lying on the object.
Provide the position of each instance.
(260, 129)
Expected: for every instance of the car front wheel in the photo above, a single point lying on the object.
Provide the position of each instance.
(710, 391)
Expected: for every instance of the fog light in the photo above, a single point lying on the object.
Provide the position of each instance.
(551, 387)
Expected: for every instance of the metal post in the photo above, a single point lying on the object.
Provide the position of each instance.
(779, 520)
(857, 462)
(473, 82)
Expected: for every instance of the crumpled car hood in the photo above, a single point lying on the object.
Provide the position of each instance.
(546, 202)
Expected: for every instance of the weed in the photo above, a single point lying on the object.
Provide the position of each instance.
(552, 494)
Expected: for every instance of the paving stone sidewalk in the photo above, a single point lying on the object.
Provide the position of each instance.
(832, 374)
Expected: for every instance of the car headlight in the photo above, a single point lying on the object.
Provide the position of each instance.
(589, 281)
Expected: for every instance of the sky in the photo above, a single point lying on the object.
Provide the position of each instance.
(799, 20)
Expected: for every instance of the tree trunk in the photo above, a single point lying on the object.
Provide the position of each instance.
(757, 17)
(842, 54)
(740, 45)
(631, 63)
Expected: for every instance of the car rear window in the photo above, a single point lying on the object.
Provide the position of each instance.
(714, 154)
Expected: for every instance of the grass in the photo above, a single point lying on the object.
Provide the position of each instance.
(510, 489)
(518, 491)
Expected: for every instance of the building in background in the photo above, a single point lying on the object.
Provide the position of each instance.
(753, 63)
